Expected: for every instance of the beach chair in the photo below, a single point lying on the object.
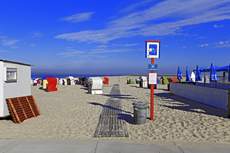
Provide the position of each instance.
(181, 80)
(72, 82)
(44, 83)
(170, 79)
(174, 80)
(138, 81)
(52, 84)
(131, 81)
(106, 80)
(160, 81)
(165, 80)
(80, 81)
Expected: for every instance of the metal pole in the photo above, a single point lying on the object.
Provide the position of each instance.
(152, 95)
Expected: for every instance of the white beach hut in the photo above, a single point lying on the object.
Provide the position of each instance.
(15, 81)
(97, 84)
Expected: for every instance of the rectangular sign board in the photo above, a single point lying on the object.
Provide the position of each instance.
(152, 78)
(152, 49)
(152, 67)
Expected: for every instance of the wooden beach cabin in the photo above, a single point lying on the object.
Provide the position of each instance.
(15, 81)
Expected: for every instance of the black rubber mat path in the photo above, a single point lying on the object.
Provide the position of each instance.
(110, 123)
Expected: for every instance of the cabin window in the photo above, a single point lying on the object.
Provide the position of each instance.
(11, 74)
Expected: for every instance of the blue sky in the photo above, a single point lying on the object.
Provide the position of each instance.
(109, 36)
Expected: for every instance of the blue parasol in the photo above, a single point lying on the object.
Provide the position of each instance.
(188, 79)
(229, 73)
(179, 74)
(198, 74)
(213, 75)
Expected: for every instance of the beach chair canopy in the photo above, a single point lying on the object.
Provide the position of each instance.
(106, 80)
(96, 82)
(143, 78)
(52, 84)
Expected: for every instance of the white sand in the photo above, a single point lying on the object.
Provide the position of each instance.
(72, 114)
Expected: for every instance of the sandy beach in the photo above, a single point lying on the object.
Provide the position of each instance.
(72, 114)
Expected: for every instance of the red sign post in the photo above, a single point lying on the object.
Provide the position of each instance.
(152, 96)
(152, 50)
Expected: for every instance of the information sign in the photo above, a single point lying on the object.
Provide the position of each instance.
(152, 78)
(152, 67)
(152, 49)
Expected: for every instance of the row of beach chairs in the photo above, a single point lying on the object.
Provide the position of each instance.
(164, 80)
(50, 83)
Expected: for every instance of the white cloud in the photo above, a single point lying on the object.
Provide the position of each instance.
(102, 46)
(78, 17)
(37, 34)
(14, 47)
(4, 51)
(184, 46)
(202, 37)
(93, 55)
(216, 26)
(204, 45)
(223, 46)
(109, 51)
(152, 21)
(136, 5)
(9, 42)
(221, 42)
(127, 45)
(70, 53)
(32, 45)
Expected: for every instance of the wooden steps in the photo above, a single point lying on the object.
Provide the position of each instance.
(22, 108)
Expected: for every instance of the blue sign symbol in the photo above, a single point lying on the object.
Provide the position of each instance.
(152, 67)
(152, 49)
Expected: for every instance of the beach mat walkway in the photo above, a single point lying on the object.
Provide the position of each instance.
(22, 108)
(110, 123)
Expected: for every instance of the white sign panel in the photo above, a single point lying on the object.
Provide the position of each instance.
(152, 78)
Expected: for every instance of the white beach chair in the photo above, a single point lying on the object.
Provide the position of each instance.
(193, 77)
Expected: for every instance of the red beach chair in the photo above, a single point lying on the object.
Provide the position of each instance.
(174, 80)
(106, 80)
(52, 84)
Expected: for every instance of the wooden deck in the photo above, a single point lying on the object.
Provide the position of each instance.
(111, 122)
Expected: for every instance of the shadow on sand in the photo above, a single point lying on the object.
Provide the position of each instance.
(188, 105)
(124, 116)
